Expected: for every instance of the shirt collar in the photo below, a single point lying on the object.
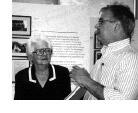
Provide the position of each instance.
(115, 46)
(32, 76)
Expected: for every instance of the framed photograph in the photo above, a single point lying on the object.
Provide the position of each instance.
(17, 65)
(21, 25)
(19, 58)
(19, 47)
(97, 55)
(97, 44)
(135, 9)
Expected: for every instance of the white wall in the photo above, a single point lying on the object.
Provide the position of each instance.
(55, 18)
(81, 19)
(58, 18)
(52, 20)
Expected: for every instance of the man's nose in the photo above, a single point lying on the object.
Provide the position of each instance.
(97, 26)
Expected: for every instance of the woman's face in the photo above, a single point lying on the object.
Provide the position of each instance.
(41, 54)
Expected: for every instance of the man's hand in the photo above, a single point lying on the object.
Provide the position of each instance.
(80, 75)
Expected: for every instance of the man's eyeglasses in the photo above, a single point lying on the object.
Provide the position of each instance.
(44, 51)
(102, 21)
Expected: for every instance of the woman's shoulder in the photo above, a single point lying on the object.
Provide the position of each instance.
(60, 67)
(22, 74)
(61, 72)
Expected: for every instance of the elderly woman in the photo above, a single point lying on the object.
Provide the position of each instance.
(42, 80)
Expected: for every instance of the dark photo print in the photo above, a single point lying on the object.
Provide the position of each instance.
(18, 25)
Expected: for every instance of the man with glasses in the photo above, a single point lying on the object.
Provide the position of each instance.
(115, 74)
(42, 80)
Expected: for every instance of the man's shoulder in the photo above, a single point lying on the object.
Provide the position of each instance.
(130, 55)
(128, 50)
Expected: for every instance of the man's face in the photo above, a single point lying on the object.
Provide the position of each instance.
(42, 54)
(105, 28)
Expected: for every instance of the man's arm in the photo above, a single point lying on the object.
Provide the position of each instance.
(126, 86)
(95, 88)
(83, 78)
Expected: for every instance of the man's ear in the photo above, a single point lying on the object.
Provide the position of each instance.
(117, 26)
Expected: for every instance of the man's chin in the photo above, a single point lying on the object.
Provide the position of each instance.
(100, 42)
(96, 32)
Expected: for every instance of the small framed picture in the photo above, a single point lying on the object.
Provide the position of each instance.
(18, 65)
(97, 44)
(19, 58)
(21, 25)
(19, 47)
(135, 9)
(97, 55)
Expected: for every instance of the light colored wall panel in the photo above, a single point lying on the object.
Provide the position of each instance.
(37, 1)
(58, 18)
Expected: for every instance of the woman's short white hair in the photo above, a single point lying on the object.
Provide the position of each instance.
(33, 41)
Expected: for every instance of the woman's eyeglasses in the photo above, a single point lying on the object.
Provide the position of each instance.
(44, 51)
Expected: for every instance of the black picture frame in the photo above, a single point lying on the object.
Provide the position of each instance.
(19, 46)
(135, 9)
(97, 55)
(97, 44)
(18, 64)
(21, 25)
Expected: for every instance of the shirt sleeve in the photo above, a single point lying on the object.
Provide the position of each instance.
(126, 86)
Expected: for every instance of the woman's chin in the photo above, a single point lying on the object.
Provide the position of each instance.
(43, 62)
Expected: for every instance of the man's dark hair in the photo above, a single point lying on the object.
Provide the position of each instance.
(124, 15)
